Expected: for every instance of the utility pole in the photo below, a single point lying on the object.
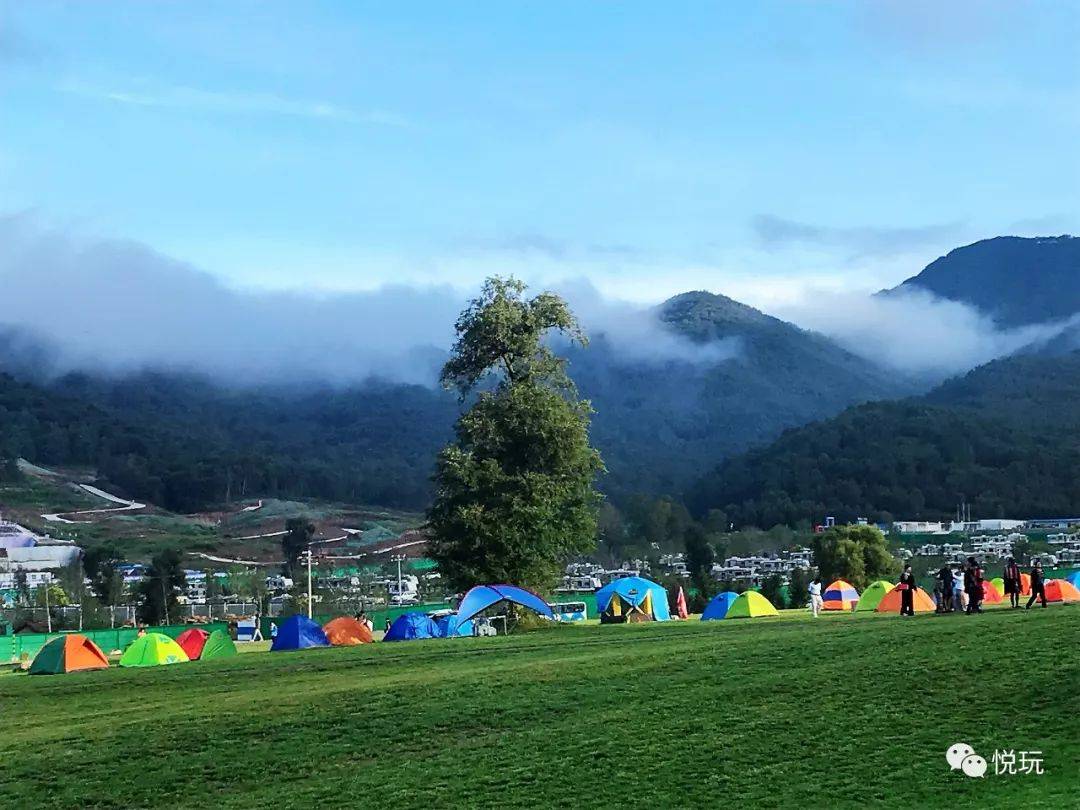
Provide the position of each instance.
(48, 613)
(309, 581)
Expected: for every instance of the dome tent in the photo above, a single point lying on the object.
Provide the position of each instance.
(920, 603)
(750, 605)
(153, 650)
(991, 595)
(219, 644)
(192, 641)
(451, 627)
(345, 631)
(632, 599)
(1074, 579)
(298, 632)
(1061, 590)
(412, 626)
(68, 653)
(840, 595)
(873, 594)
(718, 606)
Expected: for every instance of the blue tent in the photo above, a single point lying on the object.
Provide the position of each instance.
(449, 626)
(718, 607)
(297, 633)
(411, 626)
(482, 597)
(1074, 578)
(620, 597)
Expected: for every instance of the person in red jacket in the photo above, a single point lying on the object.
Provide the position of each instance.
(1011, 575)
(907, 592)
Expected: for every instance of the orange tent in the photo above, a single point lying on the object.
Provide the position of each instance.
(1061, 590)
(1025, 584)
(346, 631)
(68, 653)
(890, 602)
(991, 595)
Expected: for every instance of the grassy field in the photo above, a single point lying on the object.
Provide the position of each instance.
(844, 711)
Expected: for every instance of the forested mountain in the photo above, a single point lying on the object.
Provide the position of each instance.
(1004, 437)
(186, 442)
(1017, 281)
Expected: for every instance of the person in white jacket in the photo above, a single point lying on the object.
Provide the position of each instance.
(815, 595)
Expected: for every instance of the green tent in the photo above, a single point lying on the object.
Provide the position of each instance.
(873, 594)
(218, 645)
(153, 650)
(750, 604)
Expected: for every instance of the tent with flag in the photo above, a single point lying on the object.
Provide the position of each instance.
(68, 653)
(873, 595)
(219, 644)
(153, 650)
(680, 604)
(750, 605)
(1061, 590)
(192, 641)
(718, 606)
(345, 631)
(921, 602)
(482, 597)
(412, 626)
(299, 633)
(632, 599)
(840, 595)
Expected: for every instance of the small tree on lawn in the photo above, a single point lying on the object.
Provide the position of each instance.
(857, 554)
(157, 594)
(798, 582)
(772, 589)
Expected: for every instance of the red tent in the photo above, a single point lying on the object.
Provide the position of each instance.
(991, 596)
(680, 604)
(1061, 590)
(192, 642)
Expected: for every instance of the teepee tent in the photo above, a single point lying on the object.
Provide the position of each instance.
(192, 641)
(153, 650)
(718, 606)
(1061, 590)
(920, 602)
(750, 604)
(873, 595)
(345, 631)
(219, 644)
(840, 595)
(68, 653)
(298, 632)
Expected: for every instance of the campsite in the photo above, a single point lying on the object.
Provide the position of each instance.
(670, 713)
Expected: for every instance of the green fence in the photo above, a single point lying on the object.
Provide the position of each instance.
(12, 648)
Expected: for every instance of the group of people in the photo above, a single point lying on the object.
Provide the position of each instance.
(962, 590)
(956, 591)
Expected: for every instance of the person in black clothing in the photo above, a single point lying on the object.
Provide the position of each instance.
(1011, 575)
(973, 580)
(907, 592)
(1038, 585)
(945, 577)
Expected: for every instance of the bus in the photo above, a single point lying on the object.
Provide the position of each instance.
(570, 611)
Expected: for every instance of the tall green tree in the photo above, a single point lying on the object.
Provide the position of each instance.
(857, 554)
(515, 495)
(298, 535)
(798, 583)
(100, 566)
(772, 589)
(700, 557)
(158, 592)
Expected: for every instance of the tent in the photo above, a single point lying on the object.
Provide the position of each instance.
(873, 595)
(450, 627)
(480, 598)
(749, 605)
(219, 644)
(345, 631)
(412, 626)
(991, 595)
(68, 653)
(192, 641)
(1061, 590)
(840, 595)
(922, 602)
(999, 583)
(632, 599)
(298, 632)
(153, 650)
(719, 606)
(1074, 579)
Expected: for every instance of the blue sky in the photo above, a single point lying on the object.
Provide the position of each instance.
(763, 150)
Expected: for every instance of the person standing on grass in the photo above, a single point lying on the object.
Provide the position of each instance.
(814, 589)
(1038, 584)
(973, 583)
(945, 577)
(907, 588)
(1012, 582)
(959, 596)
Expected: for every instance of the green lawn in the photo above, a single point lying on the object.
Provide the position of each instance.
(846, 711)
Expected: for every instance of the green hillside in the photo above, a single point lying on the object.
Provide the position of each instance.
(843, 712)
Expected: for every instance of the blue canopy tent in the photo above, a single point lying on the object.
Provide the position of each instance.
(632, 599)
(480, 598)
(450, 627)
(298, 633)
(412, 626)
(718, 606)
